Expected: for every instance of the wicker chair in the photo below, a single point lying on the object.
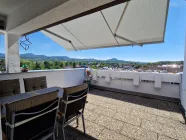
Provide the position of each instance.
(35, 83)
(72, 106)
(32, 118)
(9, 87)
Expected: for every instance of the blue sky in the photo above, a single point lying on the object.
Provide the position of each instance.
(172, 49)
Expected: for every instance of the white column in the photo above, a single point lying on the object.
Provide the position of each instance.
(183, 86)
(12, 56)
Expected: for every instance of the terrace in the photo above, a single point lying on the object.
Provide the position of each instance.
(116, 111)
(121, 105)
(115, 116)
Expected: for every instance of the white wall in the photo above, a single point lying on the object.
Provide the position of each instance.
(60, 78)
(160, 84)
(183, 89)
(12, 53)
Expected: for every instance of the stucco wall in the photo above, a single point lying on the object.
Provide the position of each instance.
(60, 78)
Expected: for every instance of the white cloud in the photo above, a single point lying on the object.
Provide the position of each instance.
(90, 57)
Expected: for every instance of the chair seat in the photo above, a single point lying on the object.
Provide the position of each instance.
(60, 115)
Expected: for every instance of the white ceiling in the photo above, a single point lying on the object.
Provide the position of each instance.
(8, 6)
(143, 22)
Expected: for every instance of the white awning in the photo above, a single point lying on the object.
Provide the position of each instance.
(137, 22)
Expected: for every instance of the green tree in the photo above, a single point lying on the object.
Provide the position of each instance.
(79, 63)
(38, 65)
(70, 63)
(47, 64)
(74, 65)
(94, 67)
(66, 64)
(52, 65)
(2, 65)
(32, 66)
(137, 66)
(57, 63)
(61, 65)
(42, 65)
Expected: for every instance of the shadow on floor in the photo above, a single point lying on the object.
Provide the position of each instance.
(75, 134)
(139, 100)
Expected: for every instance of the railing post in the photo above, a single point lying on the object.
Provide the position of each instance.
(12, 56)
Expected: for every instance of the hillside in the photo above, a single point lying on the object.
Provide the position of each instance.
(30, 56)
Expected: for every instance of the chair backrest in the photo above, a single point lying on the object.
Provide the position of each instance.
(35, 83)
(73, 101)
(9, 87)
(33, 117)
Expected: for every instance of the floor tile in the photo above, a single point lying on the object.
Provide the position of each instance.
(138, 132)
(143, 115)
(89, 115)
(172, 123)
(161, 137)
(135, 117)
(159, 128)
(105, 111)
(90, 106)
(181, 134)
(110, 135)
(109, 123)
(128, 119)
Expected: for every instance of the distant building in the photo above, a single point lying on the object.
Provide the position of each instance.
(164, 71)
(170, 66)
(148, 71)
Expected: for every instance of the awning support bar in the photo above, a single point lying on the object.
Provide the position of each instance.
(123, 38)
(73, 46)
(67, 40)
(109, 26)
(124, 10)
(73, 35)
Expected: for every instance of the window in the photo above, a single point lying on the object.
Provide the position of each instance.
(2, 53)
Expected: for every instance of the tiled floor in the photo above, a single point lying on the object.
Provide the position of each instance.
(115, 116)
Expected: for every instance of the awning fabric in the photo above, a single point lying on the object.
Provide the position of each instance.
(137, 22)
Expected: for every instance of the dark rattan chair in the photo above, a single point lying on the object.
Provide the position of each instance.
(32, 118)
(9, 87)
(35, 83)
(72, 106)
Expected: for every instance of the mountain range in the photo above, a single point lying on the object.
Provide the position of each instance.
(30, 56)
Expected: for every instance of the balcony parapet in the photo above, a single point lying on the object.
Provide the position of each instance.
(55, 77)
(160, 84)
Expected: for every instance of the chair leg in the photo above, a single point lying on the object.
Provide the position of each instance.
(63, 132)
(83, 123)
(77, 122)
(56, 130)
(54, 136)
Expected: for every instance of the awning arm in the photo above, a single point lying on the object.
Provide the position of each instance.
(109, 26)
(65, 39)
(120, 37)
(73, 35)
(122, 15)
(123, 38)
